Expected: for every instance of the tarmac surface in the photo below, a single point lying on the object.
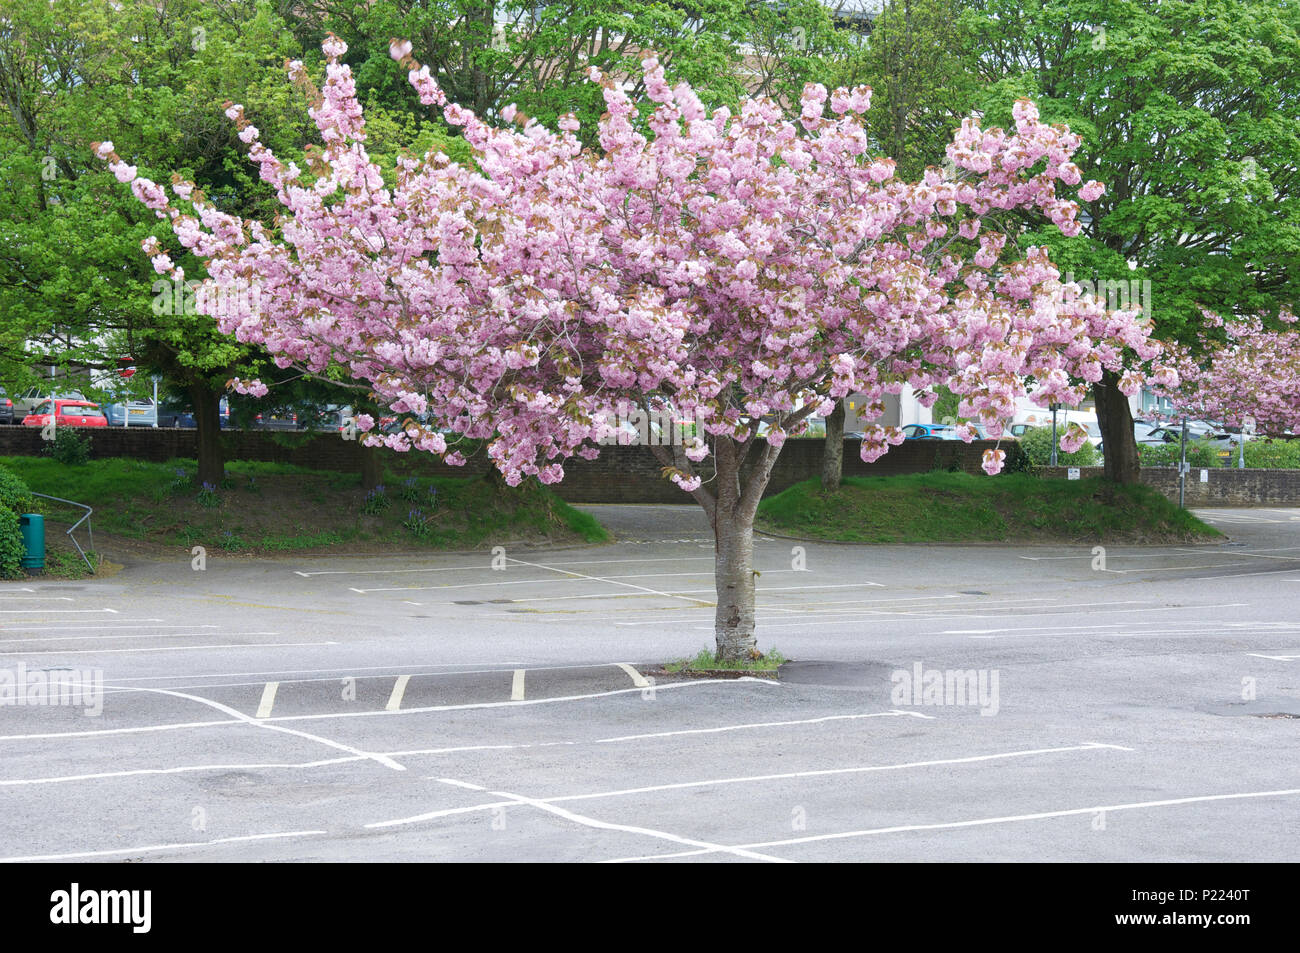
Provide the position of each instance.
(943, 703)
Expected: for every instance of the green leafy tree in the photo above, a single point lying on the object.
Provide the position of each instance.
(1188, 112)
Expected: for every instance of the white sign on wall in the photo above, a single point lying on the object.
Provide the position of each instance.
(1072, 473)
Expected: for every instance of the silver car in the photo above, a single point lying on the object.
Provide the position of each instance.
(135, 413)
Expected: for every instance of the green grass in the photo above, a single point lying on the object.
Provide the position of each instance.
(68, 564)
(961, 507)
(275, 507)
(708, 661)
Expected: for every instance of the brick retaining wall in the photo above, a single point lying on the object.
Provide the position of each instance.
(1224, 486)
(618, 475)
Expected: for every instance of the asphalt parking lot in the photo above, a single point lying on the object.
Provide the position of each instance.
(1136, 703)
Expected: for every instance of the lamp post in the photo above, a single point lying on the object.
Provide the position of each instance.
(1182, 466)
(1055, 407)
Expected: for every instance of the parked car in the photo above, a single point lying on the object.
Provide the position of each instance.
(66, 413)
(6, 408)
(175, 412)
(276, 421)
(26, 403)
(135, 413)
(940, 432)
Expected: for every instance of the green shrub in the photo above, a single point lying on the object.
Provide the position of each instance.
(15, 498)
(69, 447)
(1272, 454)
(1199, 454)
(1037, 445)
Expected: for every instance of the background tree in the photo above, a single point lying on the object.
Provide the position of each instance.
(1188, 111)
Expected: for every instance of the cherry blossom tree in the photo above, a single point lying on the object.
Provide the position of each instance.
(1241, 369)
(745, 269)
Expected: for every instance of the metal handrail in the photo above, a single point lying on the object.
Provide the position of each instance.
(90, 530)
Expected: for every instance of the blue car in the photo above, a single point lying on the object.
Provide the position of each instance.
(939, 432)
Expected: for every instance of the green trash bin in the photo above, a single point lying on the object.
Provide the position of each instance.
(32, 526)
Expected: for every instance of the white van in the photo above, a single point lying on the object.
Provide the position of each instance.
(1028, 415)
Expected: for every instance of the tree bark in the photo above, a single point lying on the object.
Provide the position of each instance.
(833, 455)
(207, 422)
(372, 473)
(1122, 463)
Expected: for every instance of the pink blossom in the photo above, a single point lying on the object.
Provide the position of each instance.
(1073, 438)
(993, 460)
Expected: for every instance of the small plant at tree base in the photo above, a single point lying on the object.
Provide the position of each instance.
(376, 501)
(208, 496)
(708, 661)
(69, 447)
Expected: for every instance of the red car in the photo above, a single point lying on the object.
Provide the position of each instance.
(66, 413)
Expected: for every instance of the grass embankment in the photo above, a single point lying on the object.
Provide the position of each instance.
(963, 508)
(271, 507)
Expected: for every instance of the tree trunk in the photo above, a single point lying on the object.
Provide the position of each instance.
(733, 575)
(207, 421)
(739, 492)
(372, 473)
(1116, 422)
(833, 454)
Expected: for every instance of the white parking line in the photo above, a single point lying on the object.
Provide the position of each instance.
(399, 689)
(109, 775)
(172, 648)
(1010, 819)
(266, 723)
(751, 779)
(138, 635)
(127, 624)
(596, 579)
(388, 671)
(569, 562)
(546, 581)
(637, 678)
(60, 611)
(312, 671)
(836, 772)
(1275, 658)
(268, 699)
(661, 734)
(517, 686)
(608, 826)
(184, 769)
(155, 848)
